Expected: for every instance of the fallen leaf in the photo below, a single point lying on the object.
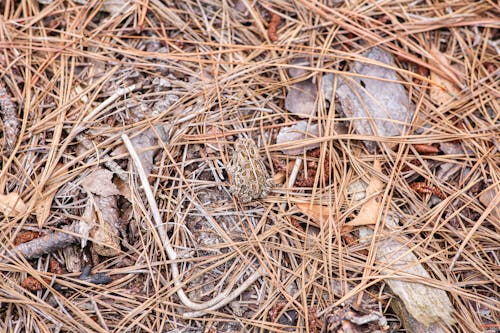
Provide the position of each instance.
(487, 197)
(106, 240)
(298, 134)
(42, 209)
(301, 99)
(377, 107)
(11, 204)
(319, 214)
(442, 91)
(106, 236)
(369, 212)
(99, 182)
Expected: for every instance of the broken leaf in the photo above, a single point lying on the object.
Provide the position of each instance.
(319, 214)
(299, 133)
(42, 209)
(377, 107)
(369, 212)
(106, 240)
(106, 235)
(442, 90)
(11, 204)
(487, 197)
(301, 97)
(99, 182)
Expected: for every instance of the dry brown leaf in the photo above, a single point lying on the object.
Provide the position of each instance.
(441, 90)
(106, 240)
(11, 204)
(106, 236)
(369, 212)
(319, 214)
(487, 197)
(378, 105)
(301, 99)
(299, 133)
(42, 209)
(99, 182)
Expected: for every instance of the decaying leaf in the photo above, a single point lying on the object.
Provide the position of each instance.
(301, 98)
(11, 204)
(106, 240)
(377, 107)
(145, 144)
(441, 90)
(370, 210)
(99, 182)
(114, 7)
(106, 236)
(87, 222)
(299, 133)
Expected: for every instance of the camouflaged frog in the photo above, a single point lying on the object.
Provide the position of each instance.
(250, 179)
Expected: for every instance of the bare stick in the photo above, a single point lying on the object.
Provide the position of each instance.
(216, 302)
(9, 112)
(48, 243)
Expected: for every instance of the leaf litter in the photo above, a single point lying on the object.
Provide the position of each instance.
(185, 80)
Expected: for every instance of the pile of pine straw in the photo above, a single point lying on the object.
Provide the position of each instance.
(186, 79)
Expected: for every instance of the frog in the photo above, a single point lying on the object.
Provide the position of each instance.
(249, 175)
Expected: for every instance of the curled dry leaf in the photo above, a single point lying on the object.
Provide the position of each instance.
(11, 204)
(423, 188)
(426, 149)
(99, 182)
(298, 133)
(377, 104)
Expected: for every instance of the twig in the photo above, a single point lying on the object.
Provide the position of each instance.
(48, 243)
(11, 123)
(216, 302)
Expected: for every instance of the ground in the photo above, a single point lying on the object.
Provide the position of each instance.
(367, 200)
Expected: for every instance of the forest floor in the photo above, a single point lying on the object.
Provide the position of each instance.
(237, 165)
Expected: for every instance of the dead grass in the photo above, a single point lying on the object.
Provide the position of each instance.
(224, 76)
